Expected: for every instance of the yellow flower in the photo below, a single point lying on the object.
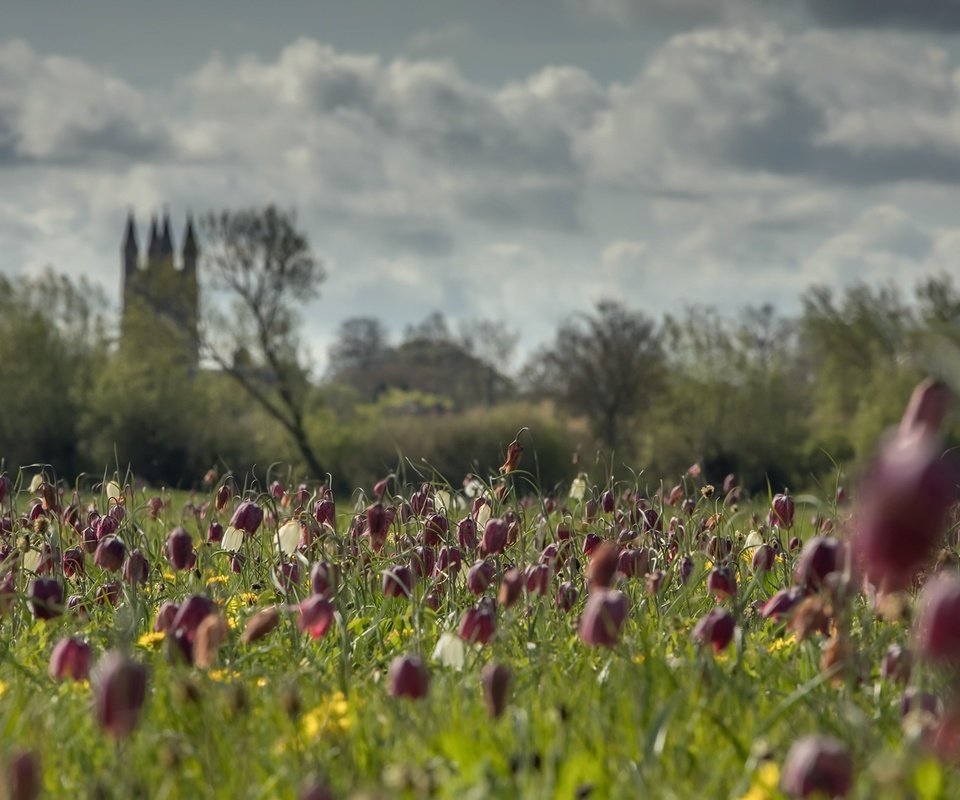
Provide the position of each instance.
(764, 785)
(783, 643)
(261, 682)
(215, 579)
(329, 717)
(3, 688)
(151, 640)
(169, 577)
(223, 675)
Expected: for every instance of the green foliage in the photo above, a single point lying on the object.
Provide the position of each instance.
(366, 444)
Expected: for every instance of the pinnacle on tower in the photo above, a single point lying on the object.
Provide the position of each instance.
(130, 248)
(153, 246)
(166, 239)
(190, 248)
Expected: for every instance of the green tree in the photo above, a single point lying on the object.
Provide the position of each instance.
(607, 366)
(265, 267)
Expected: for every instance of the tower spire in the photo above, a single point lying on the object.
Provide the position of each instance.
(153, 246)
(130, 248)
(166, 238)
(190, 249)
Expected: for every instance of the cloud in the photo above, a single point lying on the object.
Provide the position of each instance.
(931, 15)
(442, 38)
(937, 16)
(883, 243)
(721, 108)
(674, 12)
(624, 252)
(60, 110)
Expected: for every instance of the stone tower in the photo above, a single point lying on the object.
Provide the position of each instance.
(160, 292)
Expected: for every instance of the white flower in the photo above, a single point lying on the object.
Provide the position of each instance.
(450, 651)
(232, 539)
(288, 537)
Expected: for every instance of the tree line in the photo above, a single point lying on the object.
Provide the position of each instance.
(778, 400)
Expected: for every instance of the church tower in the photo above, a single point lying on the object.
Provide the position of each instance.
(160, 296)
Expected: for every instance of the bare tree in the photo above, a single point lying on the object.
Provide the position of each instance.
(361, 342)
(266, 267)
(604, 365)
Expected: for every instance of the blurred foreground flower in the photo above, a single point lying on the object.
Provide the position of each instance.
(70, 659)
(603, 617)
(817, 766)
(408, 677)
(495, 679)
(937, 627)
(906, 494)
(119, 691)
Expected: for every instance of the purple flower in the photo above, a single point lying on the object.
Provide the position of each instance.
(817, 764)
(603, 617)
(119, 690)
(70, 658)
(247, 517)
(408, 677)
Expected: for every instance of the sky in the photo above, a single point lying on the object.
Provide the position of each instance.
(511, 160)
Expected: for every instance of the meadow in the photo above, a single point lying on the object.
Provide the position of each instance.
(259, 638)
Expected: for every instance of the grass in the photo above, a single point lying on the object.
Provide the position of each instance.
(655, 716)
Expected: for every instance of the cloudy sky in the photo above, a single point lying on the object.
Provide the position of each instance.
(504, 159)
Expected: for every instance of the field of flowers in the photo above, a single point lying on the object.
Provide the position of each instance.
(488, 639)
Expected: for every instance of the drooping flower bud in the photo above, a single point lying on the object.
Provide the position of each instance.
(494, 538)
(537, 578)
(567, 596)
(248, 517)
(166, 614)
(937, 627)
(906, 495)
(781, 604)
(325, 512)
(817, 766)
(715, 628)
(179, 550)
(119, 691)
(511, 585)
(435, 530)
(398, 581)
(70, 658)
(109, 554)
(783, 509)
(821, 556)
(73, 562)
(512, 461)
(260, 624)
(223, 497)
(603, 618)
(721, 582)
(408, 677)
(24, 780)
(478, 624)
(323, 578)
(603, 566)
(763, 558)
(608, 502)
(316, 615)
(45, 598)
(686, 569)
(377, 527)
(495, 679)
(194, 610)
(215, 532)
(480, 576)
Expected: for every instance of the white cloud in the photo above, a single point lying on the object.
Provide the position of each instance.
(624, 252)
